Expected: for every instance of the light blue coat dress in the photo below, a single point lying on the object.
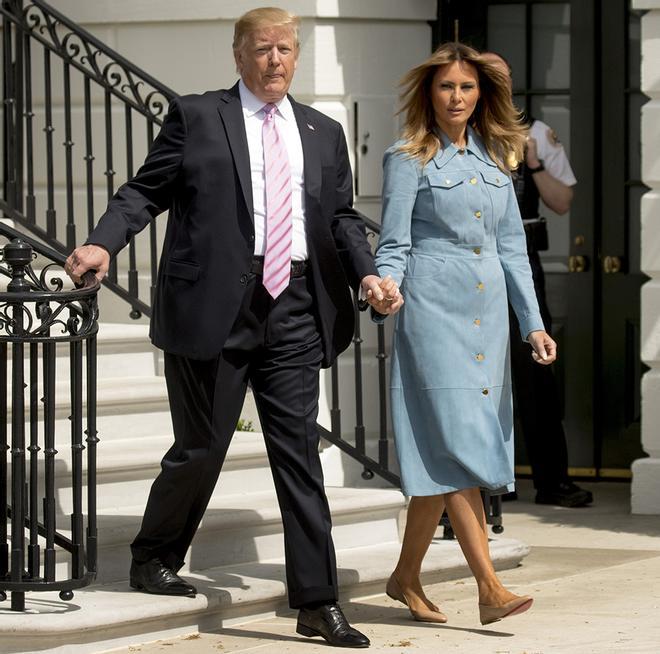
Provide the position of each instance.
(452, 238)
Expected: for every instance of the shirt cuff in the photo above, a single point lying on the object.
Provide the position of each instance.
(531, 323)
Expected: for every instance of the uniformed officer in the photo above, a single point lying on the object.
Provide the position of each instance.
(544, 175)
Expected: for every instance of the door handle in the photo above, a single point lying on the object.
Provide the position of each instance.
(578, 263)
(612, 264)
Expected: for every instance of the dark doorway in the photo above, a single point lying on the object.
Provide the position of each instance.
(576, 66)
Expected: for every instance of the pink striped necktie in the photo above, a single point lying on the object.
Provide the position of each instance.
(279, 226)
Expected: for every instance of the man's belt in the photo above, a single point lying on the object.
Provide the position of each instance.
(298, 268)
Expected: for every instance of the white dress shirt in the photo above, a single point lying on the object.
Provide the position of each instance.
(285, 121)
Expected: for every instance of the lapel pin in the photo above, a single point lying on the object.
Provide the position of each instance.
(310, 127)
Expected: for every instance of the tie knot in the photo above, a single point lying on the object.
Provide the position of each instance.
(270, 110)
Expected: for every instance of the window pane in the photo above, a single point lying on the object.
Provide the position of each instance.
(554, 110)
(551, 46)
(519, 102)
(506, 36)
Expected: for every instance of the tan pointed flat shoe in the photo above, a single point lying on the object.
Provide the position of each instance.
(394, 591)
(488, 614)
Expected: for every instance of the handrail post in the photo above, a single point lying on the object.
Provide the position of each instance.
(34, 311)
(18, 256)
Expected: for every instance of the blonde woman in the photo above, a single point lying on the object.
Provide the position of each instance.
(453, 240)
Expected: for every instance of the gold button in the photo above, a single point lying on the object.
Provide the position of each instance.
(477, 250)
(485, 391)
(480, 357)
(461, 151)
(480, 286)
(477, 321)
(477, 214)
(473, 180)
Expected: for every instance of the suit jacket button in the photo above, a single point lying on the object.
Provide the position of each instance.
(244, 279)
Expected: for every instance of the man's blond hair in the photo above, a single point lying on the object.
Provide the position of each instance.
(264, 18)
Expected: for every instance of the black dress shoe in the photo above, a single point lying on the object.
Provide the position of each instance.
(155, 577)
(565, 494)
(329, 621)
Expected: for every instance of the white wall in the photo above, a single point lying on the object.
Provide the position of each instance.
(645, 496)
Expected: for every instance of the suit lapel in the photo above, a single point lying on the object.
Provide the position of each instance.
(309, 135)
(231, 114)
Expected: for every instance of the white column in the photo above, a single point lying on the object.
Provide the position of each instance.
(645, 494)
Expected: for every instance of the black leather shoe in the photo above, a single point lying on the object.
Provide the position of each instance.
(155, 577)
(565, 494)
(329, 621)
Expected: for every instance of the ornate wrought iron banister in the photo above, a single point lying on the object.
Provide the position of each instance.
(38, 318)
(89, 102)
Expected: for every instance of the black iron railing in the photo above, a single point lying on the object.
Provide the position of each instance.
(39, 320)
(64, 91)
(52, 67)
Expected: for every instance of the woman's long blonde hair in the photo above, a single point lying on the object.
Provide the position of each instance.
(495, 118)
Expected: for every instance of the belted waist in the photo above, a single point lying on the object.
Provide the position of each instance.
(298, 268)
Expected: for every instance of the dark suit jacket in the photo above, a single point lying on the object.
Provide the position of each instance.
(199, 169)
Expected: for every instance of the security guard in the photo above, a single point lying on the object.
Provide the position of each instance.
(544, 175)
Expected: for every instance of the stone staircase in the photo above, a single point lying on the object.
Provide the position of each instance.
(236, 559)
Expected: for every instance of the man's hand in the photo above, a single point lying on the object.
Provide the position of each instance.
(382, 294)
(544, 348)
(87, 257)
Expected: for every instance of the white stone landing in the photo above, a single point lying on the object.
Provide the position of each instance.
(104, 617)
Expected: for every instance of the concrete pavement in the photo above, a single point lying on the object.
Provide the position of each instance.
(594, 574)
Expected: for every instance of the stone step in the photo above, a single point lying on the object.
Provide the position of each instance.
(119, 395)
(104, 617)
(122, 351)
(247, 527)
(126, 468)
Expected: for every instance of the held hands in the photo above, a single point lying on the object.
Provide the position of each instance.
(87, 257)
(544, 348)
(382, 294)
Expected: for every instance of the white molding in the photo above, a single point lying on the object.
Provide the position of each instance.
(150, 11)
(646, 4)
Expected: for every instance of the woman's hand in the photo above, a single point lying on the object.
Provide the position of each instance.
(382, 294)
(544, 348)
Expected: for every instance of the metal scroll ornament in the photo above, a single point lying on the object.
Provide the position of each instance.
(95, 60)
(36, 307)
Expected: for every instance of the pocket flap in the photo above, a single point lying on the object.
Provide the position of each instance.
(496, 178)
(446, 179)
(183, 269)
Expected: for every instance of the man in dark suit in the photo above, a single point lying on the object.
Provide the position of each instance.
(262, 243)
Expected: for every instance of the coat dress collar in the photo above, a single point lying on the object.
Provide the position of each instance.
(475, 146)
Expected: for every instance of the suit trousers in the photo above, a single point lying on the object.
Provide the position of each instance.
(274, 345)
(537, 401)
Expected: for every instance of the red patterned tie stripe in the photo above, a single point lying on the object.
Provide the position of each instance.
(277, 260)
